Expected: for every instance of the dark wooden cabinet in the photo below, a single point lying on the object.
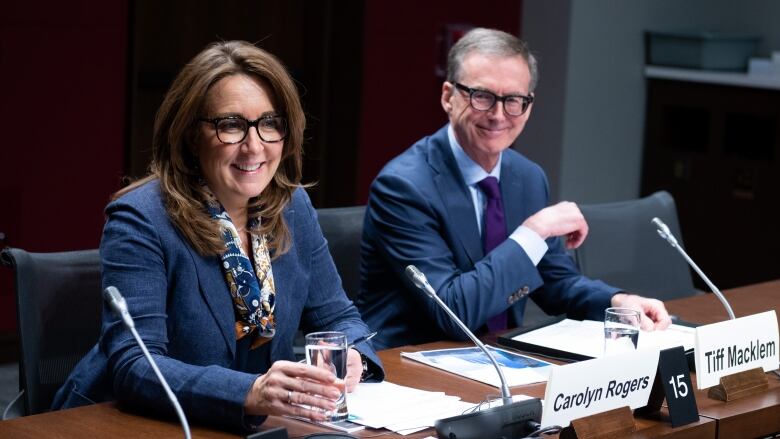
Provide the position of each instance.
(716, 149)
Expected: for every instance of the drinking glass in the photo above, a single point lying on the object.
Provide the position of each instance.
(328, 350)
(621, 330)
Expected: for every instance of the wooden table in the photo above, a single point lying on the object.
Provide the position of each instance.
(411, 373)
(750, 417)
(110, 420)
(753, 416)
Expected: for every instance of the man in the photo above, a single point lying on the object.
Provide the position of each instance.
(473, 215)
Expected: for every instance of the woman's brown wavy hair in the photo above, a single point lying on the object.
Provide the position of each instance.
(175, 128)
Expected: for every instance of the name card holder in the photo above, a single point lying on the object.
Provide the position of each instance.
(727, 348)
(739, 385)
(617, 422)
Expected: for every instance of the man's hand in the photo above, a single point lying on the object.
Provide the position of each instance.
(563, 219)
(653, 311)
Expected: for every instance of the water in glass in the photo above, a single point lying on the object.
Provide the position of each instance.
(330, 353)
(621, 330)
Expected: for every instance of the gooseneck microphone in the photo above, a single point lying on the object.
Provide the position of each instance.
(421, 282)
(508, 420)
(666, 234)
(119, 306)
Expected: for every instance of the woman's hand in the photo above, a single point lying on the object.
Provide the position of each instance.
(287, 385)
(354, 369)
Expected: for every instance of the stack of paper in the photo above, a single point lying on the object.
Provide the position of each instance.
(404, 410)
(586, 338)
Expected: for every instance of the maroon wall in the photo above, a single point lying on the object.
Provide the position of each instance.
(64, 67)
(62, 70)
(401, 90)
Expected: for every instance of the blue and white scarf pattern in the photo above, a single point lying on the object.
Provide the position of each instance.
(253, 291)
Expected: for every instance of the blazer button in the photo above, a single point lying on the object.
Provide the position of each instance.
(511, 299)
(525, 290)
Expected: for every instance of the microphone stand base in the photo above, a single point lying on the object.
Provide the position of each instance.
(507, 421)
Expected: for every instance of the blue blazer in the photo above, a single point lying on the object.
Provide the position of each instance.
(184, 313)
(420, 212)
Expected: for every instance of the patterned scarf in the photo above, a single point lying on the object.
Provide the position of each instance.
(253, 291)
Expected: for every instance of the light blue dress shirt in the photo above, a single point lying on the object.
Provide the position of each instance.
(530, 241)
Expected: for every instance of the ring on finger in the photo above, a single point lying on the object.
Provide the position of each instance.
(289, 397)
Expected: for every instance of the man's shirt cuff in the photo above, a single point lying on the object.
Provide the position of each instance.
(531, 242)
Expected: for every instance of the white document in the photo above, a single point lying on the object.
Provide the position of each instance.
(420, 421)
(587, 337)
(404, 410)
(473, 363)
(582, 389)
(734, 346)
(461, 409)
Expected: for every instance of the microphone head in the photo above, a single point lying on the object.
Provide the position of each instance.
(664, 232)
(118, 305)
(663, 229)
(416, 276)
(114, 298)
(110, 293)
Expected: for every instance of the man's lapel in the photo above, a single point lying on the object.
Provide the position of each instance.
(511, 188)
(456, 196)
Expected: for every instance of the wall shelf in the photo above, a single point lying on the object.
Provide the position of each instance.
(738, 79)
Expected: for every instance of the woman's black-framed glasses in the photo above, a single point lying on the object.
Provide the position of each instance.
(483, 100)
(233, 129)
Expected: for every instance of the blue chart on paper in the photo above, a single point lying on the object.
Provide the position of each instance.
(476, 356)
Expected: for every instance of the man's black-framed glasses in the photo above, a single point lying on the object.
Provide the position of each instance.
(233, 129)
(483, 100)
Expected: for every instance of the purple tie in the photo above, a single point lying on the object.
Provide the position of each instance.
(493, 233)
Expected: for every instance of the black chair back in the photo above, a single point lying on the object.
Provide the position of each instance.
(624, 249)
(59, 305)
(343, 228)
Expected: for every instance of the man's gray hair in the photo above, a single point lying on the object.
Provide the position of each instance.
(489, 42)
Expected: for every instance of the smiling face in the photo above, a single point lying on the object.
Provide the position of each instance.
(237, 172)
(485, 134)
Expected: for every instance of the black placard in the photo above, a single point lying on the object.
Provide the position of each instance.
(676, 382)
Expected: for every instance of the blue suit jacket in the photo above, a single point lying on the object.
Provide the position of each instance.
(420, 212)
(183, 312)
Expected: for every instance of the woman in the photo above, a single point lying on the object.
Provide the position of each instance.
(220, 257)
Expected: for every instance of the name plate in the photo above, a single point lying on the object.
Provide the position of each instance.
(737, 345)
(582, 389)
